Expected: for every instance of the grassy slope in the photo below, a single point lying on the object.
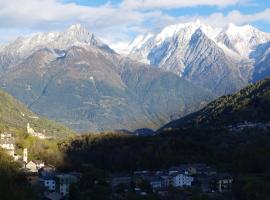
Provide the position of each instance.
(14, 115)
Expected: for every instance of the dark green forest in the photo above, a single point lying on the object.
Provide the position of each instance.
(245, 154)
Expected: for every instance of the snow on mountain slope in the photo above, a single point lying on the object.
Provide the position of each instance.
(237, 41)
(121, 47)
(242, 39)
(233, 47)
(144, 48)
(76, 35)
(208, 66)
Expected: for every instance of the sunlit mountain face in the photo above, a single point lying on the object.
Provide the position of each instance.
(76, 79)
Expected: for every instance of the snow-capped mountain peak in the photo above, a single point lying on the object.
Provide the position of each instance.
(237, 41)
(78, 34)
(204, 54)
(185, 29)
(140, 41)
(75, 35)
(76, 27)
(167, 41)
(242, 39)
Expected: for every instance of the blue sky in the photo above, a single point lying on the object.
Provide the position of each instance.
(122, 20)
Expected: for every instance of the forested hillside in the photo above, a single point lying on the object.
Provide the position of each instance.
(245, 154)
(251, 104)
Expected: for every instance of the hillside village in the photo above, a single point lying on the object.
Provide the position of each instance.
(55, 184)
(182, 177)
(32, 132)
(135, 100)
(39, 174)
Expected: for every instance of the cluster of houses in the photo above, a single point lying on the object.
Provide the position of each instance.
(183, 176)
(7, 142)
(54, 185)
(32, 132)
(248, 125)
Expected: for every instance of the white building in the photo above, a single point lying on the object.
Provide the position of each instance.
(31, 166)
(49, 182)
(32, 132)
(7, 142)
(34, 166)
(181, 180)
(63, 182)
(39, 163)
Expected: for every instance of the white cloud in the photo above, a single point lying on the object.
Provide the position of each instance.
(54, 15)
(111, 22)
(151, 4)
(236, 17)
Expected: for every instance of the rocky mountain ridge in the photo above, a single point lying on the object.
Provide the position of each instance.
(195, 50)
(77, 80)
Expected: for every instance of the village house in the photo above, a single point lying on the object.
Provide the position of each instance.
(181, 176)
(49, 181)
(222, 183)
(39, 163)
(181, 179)
(63, 182)
(47, 169)
(31, 166)
(193, 169)
(47, 174)
(57, 185)
(7, 142)
(35, 165)
(32, 132)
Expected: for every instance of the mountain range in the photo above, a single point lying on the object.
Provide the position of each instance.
(74, 78)
(222, 60)
(78, 80)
